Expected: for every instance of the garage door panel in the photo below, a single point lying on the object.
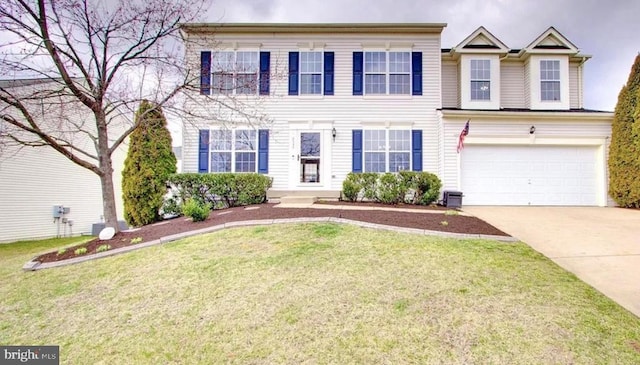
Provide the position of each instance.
(529, 175)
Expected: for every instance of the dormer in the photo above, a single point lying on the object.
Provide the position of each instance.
(479, 70)
(547, 71)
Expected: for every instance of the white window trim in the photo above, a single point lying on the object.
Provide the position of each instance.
(387, 72)
(465, 82)
(387, 147)
(535, 94)
(233, 149)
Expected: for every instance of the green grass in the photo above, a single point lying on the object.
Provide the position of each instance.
(318, 293)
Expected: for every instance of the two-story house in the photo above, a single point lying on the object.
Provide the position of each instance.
(387, 97)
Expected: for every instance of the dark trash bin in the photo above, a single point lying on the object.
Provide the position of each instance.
(452, 199)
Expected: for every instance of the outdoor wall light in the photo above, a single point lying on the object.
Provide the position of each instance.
(333, 133)
(532, 130)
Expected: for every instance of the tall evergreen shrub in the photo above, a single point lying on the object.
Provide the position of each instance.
(149, 163)
(624, 151)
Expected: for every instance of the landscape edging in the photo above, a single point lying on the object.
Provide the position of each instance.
(35, 265)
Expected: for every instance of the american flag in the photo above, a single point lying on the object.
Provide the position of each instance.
(463, 134)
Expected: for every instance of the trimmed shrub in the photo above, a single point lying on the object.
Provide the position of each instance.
(369, 182)
(389, 190)
(410, 187)
(350, 190)
(222, 190)
(196, 210)
(624, 151)
(427, 188)
(150, 161)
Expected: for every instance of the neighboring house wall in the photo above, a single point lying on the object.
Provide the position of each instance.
(343, 110)
(34, 179)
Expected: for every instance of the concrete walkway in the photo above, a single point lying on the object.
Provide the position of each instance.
(600, 245)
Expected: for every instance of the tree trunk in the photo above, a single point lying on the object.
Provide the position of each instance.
(106, 173)
(108, 195)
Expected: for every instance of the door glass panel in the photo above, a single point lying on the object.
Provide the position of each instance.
(310, 157)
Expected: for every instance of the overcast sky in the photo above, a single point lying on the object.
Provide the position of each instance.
(607, 30)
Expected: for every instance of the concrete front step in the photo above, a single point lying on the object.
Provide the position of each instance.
(298, 200)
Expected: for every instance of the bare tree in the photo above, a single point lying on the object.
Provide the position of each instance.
(102, 57)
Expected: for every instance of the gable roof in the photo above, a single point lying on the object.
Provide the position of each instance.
(481, 41)
(552, 41)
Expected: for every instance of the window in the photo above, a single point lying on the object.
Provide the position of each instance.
(394, 71)
(550, 80)
(233, 150)
(311, 73)
(234, 73)
(480, 80)
(387, 150)
(399, 72)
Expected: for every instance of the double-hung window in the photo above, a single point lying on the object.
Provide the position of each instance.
(233, 150)
(387, 150)
(235, 72)
(480, 80)
(550, 80)
(387, 73)
(311, 73)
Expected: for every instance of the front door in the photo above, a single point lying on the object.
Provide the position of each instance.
(309, 157)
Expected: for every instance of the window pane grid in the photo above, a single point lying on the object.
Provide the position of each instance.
(311, 73)
(550, 80)
(392, 69)
(233, 151)
(387, 150)
(480, 80)
(235, 72)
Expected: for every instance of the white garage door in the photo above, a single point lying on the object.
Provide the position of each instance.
(529, 175)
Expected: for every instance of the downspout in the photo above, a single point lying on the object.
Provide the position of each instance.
(580, 82)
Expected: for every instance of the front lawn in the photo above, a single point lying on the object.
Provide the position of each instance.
(318, 293)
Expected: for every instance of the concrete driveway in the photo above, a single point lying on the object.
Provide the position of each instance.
(600, 245)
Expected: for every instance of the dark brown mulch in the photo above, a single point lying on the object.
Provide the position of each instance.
(374, 204)
(430, 221)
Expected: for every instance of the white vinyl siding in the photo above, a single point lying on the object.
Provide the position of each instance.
(33, 180)
(449, 85)
(341, 111)
(512, 85)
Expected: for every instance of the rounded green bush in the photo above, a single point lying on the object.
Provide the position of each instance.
(196, 210)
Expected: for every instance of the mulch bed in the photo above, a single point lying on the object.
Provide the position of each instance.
(429, 221)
